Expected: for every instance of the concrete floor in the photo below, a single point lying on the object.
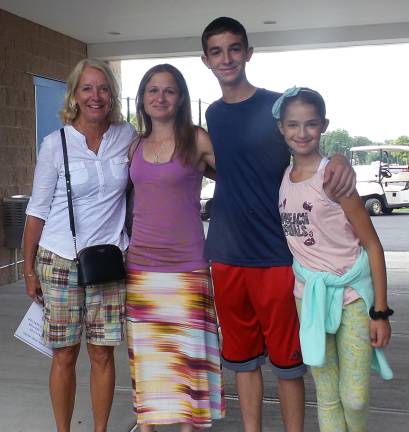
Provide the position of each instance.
(25, 405)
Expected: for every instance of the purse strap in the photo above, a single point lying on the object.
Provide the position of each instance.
(68, 184)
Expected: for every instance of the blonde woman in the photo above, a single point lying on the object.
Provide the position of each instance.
(97, 144)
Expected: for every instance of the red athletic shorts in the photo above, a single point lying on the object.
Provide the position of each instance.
(257, 313)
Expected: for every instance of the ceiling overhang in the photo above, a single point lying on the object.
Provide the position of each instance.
(125, 29)
(261, 41)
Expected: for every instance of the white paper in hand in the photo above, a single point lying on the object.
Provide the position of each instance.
(30, 329)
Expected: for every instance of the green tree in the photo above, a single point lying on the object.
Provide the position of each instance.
(401, 158)
(402, 140)
(362, 156)
(361, 141)
(133, 121)
(337, 141)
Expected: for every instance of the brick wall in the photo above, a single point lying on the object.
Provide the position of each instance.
(26, 48)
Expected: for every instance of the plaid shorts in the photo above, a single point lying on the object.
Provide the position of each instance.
(67, 306)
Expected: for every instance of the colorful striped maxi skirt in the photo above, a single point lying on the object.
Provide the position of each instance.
(173, 348)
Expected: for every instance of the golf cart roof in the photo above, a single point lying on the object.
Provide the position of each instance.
(381, 147)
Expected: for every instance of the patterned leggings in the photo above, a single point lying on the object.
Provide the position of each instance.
(343, 383)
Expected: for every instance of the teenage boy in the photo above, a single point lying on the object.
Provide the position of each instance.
(251, 263)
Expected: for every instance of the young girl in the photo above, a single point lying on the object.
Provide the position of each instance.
(340, 272)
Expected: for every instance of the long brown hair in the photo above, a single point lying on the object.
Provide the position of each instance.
(185, 130)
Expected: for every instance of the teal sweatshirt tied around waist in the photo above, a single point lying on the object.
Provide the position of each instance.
(322, 305)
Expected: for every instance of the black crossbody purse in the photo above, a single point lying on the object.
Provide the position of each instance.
(96, 264)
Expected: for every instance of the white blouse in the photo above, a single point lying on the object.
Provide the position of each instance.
(98, 190)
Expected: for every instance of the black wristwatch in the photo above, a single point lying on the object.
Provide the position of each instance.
(376, 315)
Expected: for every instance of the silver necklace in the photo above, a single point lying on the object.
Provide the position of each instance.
(156, 154)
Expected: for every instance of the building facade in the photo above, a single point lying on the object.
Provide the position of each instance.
(26, 49)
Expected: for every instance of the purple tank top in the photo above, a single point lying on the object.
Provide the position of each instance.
(167, 232)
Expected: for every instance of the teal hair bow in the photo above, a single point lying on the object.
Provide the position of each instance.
(293, 91)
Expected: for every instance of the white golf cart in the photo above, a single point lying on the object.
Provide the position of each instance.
(206, 200)
(382, 184)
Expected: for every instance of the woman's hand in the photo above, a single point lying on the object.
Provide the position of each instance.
(33, 287)
(339, 177)
(32, 233)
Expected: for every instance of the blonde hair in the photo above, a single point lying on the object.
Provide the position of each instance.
(70, 112)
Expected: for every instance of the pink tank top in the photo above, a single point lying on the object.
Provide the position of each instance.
(167, 232)
(318, 233)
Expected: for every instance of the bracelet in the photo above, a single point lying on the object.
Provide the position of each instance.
(29, 275)
(376, 315)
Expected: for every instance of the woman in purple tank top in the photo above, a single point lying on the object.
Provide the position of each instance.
(171, 322)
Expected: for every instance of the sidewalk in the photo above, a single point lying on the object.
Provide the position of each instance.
(25, 405)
